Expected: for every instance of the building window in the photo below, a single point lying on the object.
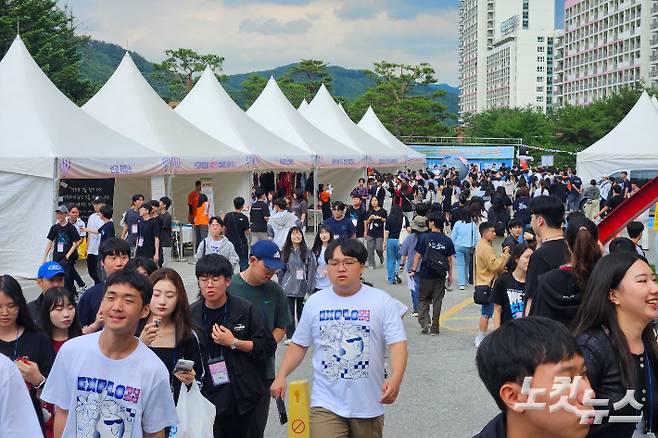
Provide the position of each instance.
(540, 39)
(540, 98)
(540, 49)
(540, 79)
(541, 59)
(540, 89)
(526, 13)
(540, 69)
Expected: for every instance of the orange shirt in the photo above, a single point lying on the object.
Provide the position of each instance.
(325, 196)
(192, 202)
(201, 215)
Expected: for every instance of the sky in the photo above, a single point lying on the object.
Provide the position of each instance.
(262, 34)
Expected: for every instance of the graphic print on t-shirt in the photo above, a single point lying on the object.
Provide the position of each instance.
(345, 343)
(104, 409)
(516, 303)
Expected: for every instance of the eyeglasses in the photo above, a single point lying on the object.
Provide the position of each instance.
(208, 280)
(348, 263)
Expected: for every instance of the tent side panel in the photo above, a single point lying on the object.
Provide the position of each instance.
(23, 239)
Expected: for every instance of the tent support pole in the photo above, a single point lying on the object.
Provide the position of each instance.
(315, 196)
(55, 188)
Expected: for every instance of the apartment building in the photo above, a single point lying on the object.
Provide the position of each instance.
(506, 54)
(606, 45)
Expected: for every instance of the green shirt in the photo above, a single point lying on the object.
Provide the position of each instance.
(270, 300)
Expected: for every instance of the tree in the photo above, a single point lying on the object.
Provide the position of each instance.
(48, 32)
(182, 67)
(393, 98)
(251, 89)
(311, 73)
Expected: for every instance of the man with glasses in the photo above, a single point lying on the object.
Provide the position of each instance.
(350, 326)
(255, 285)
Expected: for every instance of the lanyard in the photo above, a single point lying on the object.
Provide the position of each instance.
(206, 328)
(650, 385)
(16, 347)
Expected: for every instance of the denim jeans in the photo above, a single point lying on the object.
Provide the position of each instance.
(464, 263)
(412, 284)
(392, 258)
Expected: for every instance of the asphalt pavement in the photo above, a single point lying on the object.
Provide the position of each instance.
(441, 395)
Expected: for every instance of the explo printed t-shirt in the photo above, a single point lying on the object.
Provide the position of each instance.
(110, 398)
(349, 336)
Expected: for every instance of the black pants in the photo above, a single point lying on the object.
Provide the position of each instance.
(76, 276)
(248, 425)
(92, 267)
(292, 303)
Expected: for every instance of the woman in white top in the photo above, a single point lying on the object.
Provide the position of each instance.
(543, 188)
(322, 239)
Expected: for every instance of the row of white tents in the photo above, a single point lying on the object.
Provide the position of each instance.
(127, 132)
(632, 144)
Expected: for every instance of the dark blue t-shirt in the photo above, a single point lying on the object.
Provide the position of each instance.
(438, 241)
(522, 209)
(341, 228)
(89, 304)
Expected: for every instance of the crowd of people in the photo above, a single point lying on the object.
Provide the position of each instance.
(112, 359)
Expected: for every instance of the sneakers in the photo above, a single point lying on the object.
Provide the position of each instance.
(434, 333)
(425, 330)
(449, 288)
(478, 339)
(462, 287)
(414, 314)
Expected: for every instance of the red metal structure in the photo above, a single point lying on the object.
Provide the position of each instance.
(628, 211)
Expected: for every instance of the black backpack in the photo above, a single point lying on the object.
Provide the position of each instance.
(435, 262)
(499, 220)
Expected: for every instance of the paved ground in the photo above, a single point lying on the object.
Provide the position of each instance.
(441, 395)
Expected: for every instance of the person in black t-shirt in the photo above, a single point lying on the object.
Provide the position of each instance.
(166, 232)
(547, 216)
(613, 202)
(148, 239)
(375, 220)
(259, 214)
(357, 213)
(432, 287)
(63, 240)
(508, 293)
(236, 229)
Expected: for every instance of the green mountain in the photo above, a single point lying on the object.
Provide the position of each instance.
(100, 59)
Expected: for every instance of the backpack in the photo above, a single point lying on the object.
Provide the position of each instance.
(435, 262)
(499, 220)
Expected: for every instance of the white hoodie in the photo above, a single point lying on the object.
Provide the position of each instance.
(281, 223)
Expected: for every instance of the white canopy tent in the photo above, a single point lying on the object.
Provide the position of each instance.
(302, 106)
(128, 104)
(44, 136)
(209, 107)
(632, 144)
(325, 115)
(371, 124)
(654, 101)
(338, 164)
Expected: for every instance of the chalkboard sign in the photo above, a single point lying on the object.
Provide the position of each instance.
(80, 192)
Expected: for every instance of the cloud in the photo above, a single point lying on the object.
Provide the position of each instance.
(272, 26)
(258, 35)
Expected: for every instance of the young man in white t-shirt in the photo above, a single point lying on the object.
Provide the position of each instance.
(350, 325)
(17, 416)
(109, 383)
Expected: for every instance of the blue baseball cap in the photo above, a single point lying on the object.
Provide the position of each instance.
(50, 269)
(268, 252)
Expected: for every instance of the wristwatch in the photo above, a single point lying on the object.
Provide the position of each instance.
(234, 344)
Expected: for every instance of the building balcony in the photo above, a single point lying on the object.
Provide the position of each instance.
(653, 58)
(654, 25)
(654, 9)
(654, 41)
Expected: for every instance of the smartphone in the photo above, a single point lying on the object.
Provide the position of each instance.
(281, 407)
(157, 323)
(183, 365)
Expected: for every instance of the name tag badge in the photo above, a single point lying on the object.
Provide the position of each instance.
(140, 241)
(218, 372)
(60, 246)
(300, 274)
(336, 236)
(133, 229)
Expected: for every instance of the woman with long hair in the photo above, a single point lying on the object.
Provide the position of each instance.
(560, 291)
(447, 199)
(392, 228)
(297, 277)
(374, 232)
(60, 322)
(614, 327)
(431, 196)
(22, 341)
(508, 294)
(322, 239)
(465, 235)
(169, 331)
(299, 206)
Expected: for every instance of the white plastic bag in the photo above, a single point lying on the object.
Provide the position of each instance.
(196, 415)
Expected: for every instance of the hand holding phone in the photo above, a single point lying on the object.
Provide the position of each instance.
(281, 408)
(183, 365)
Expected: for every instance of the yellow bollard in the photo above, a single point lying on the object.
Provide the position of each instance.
(299, 416)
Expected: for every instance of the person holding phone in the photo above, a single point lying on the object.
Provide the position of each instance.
(22, 342)
(169, 332)
(237, 346)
